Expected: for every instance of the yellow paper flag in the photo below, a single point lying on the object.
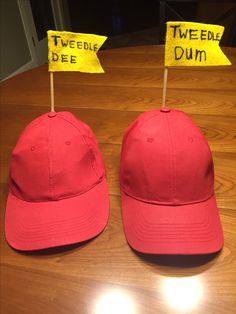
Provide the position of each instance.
(194, 44)
(69, 51)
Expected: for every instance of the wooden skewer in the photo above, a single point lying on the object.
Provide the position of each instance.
(164, 87)
(52, 92)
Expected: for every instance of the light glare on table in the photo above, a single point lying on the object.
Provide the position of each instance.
(115, 302)
(182, 294)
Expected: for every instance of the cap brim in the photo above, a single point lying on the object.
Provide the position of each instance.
(183, 229)
(40, 225)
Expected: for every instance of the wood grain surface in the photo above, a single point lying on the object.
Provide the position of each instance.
(104, 275)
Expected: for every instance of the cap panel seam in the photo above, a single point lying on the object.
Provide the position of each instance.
(157, 112)
(165, 203)
(173, 160)
(130, 127)
(62, 198)
(85, 142)
(192, 124)
(26, 129)
(140, 131)
(148, 119)
(50, 158)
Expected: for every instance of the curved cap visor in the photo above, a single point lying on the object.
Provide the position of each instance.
(180, 229)
(40, 225)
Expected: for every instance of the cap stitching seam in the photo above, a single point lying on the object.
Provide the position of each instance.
(173, 162)
(62, 198)
(26, 129)
(192, 123)
(149, 118)
(85, 141)
(29, 128)
(51, 156)
(140, 124)
(162, 203)
(137, 130)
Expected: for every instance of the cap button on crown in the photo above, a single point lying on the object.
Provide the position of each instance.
(52, 114)
(165, 109)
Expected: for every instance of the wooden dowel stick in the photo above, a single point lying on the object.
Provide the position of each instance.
(164, 87)
(52, 92)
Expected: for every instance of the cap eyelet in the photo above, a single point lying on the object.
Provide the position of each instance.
(32, 148)
(67, 142)
(150, 139)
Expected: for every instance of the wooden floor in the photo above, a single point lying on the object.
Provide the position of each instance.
(104, 276)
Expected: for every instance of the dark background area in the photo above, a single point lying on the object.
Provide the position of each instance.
(142, 21)
(112, 17)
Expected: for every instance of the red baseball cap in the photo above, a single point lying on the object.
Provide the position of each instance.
(58, 192)
(167, 186)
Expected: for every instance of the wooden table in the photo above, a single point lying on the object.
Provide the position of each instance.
(105, 276)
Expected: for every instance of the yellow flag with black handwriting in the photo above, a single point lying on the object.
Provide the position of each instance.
(69, 51)
(194, 44)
